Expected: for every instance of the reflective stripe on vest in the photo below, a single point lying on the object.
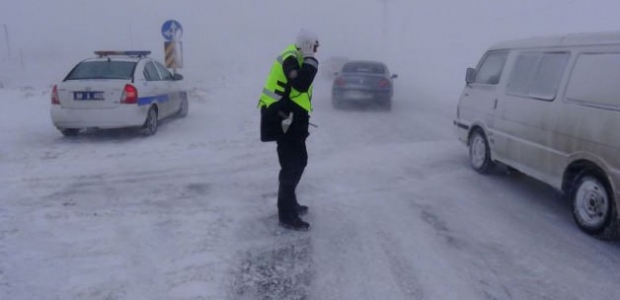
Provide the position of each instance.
(277, 81)
(271, 94)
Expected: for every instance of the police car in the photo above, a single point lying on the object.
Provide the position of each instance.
(117, 89)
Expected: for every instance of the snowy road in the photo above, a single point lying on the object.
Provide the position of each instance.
(396, 212)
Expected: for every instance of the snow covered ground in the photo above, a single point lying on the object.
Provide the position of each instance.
(190, 213)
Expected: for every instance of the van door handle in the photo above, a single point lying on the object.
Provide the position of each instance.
(495, 104)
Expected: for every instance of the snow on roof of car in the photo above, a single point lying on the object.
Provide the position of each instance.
(573, 39)
(119, 55)
(136, 53)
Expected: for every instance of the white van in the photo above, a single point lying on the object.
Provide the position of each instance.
(549, 107)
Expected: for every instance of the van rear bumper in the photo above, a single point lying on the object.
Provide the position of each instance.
(461, 130)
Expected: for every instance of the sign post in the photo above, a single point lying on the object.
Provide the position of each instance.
(8, 46)
(172, 31)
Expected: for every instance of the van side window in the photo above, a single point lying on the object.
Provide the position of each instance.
(491, 68)
(522, 74)
(594, 80)
(537, 74)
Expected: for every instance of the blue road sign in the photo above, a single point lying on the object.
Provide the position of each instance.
(171, 30)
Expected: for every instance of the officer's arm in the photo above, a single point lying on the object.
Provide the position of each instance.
(300, 78)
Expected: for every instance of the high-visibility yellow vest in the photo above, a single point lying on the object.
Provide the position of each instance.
(276, 84)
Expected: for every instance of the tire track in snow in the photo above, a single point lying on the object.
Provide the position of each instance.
(275, 264)
(402, 270)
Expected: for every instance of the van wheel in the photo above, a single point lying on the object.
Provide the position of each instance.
(479, 153)
(70, 132)
(593, 208)
(150, 124)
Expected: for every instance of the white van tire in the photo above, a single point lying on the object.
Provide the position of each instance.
(480, 153)
(593, 208)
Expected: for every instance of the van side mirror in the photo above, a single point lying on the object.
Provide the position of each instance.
(178, 77)
(470, 74)
(394, 76)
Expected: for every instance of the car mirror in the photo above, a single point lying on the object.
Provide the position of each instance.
(470, 74)
(394, 76)
(178, 77)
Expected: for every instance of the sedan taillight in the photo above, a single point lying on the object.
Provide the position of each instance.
(384, 83)
(339, 81)
(130, 95)
(55, 99)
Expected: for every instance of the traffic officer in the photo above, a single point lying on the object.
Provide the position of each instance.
(285, 104)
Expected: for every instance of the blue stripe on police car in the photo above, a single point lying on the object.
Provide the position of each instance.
(153, 99)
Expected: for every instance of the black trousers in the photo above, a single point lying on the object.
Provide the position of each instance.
(293, 158)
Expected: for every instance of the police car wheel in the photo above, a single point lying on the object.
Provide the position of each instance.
(70, 132)
(150, 125)
(183, 109)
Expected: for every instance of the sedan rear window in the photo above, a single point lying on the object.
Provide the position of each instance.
(363, 68)
(102, 70)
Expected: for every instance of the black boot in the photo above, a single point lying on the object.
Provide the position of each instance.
(302, 209)
(294, 223)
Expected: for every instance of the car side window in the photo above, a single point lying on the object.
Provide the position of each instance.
(165, 74)
(150, 72)
(594, 80)
(490, 70)
(548, 76)
(537, 74)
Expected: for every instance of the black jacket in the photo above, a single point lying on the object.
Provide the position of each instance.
(299, 78)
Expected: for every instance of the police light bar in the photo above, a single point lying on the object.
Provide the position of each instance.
(127, 53)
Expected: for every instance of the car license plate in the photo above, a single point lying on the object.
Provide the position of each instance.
(357, 95)
(80, 96)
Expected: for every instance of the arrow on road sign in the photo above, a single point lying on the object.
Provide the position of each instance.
(171, 30)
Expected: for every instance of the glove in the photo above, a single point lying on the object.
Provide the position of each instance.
(286, 123)
(307, 48)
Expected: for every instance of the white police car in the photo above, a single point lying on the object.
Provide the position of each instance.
(117, 89)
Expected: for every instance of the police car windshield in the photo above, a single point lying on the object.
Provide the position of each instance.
(102, 70)
(363, 67)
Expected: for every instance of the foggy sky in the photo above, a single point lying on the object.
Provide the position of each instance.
(428, 43)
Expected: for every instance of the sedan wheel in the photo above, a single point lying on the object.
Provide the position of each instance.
(183, 109)
(70, 132)
(387, 106)
(150, 125)
(336, 104)
(592, 208)
(479, 153)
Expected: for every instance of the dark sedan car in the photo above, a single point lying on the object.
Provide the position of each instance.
(364, 83)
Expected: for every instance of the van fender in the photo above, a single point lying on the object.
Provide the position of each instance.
(474, 126)
(479, 125)
(578, 161)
